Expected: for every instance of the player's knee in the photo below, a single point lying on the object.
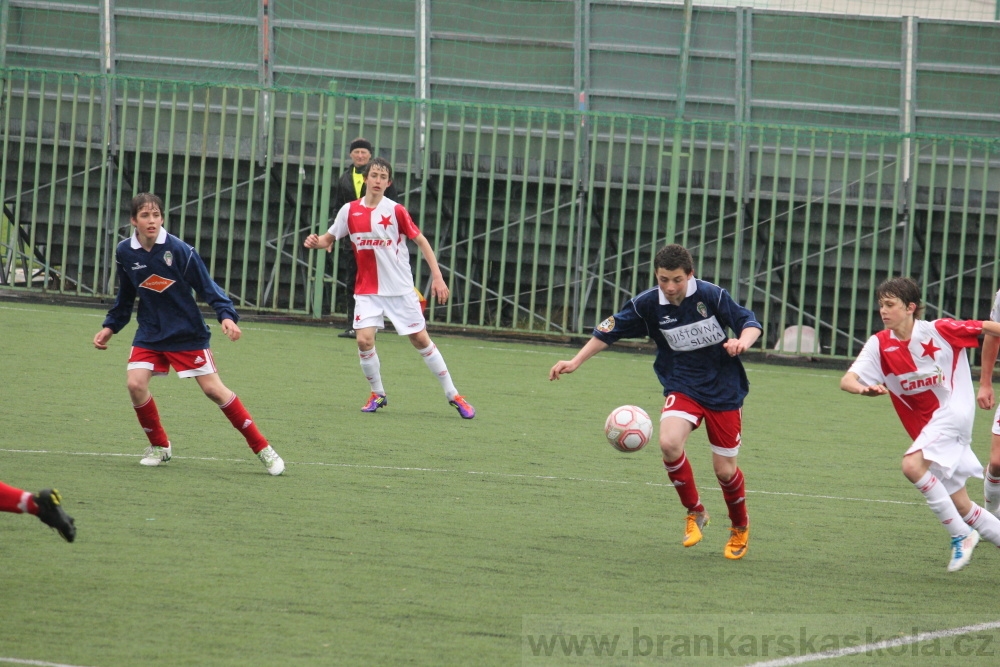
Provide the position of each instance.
(136, 387)
(420, 339)
(724, 473)
(671, 450)
(218, 394)
(913, 468)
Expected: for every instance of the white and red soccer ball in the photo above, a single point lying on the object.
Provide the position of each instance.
(628, 428)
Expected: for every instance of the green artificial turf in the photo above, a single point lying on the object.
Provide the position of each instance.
(411, 536)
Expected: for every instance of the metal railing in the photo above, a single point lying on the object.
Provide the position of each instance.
(544, 221)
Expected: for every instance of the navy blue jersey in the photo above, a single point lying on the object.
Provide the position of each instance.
(690, 358)
(165, 279)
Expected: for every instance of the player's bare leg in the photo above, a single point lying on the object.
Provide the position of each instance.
(137, 381)
(212, 385)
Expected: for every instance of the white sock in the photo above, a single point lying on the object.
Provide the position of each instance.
(23, 504)
(941, 504)
(370, 367)
(984, 522)
(435, 362)
(991, 491)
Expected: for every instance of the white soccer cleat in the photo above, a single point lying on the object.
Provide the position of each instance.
(274, 464)
(154, 455)
(961, 550)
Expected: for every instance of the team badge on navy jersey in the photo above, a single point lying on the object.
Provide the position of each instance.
(168, 257)
(607, 325)
(702, 310)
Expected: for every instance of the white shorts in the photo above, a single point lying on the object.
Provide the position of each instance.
(370, 310)
(950, 455)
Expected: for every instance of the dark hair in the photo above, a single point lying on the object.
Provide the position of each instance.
(144, 198)
(674, 256)
(905, 289)
(378, 162)
(361, 142)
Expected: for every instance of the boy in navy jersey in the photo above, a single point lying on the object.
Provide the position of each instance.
(163, 271)
(702, 377)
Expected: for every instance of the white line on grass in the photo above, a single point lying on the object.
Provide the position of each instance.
(39, 663)
(512, 475)
(877, 646)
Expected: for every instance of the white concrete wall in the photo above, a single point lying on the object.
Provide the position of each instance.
(964, 10)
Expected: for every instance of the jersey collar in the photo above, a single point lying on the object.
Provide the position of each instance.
(160, 238)
(692, 287)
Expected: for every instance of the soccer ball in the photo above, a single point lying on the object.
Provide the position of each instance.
(628, 428)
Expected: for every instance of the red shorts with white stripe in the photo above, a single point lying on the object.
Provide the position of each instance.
(722, 427)
(187, 363)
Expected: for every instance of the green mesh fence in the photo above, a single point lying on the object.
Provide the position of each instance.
(891, 65)
(804, 150)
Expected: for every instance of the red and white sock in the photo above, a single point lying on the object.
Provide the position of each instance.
(984, 522)
(681, 474)
(371, 367)
(149, 420)
(435, 362)
(16, 501)
(243, 422)
(941, 504)
(991, 490)
(734, 493)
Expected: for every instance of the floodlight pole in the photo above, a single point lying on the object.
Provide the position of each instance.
(675, 148)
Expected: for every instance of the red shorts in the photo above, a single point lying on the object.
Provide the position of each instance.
(187, 363)
(722, 427)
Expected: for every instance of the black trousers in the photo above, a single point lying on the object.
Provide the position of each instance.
(350, 275)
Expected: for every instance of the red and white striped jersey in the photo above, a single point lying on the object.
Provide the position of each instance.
(378, 236)
(927, 376)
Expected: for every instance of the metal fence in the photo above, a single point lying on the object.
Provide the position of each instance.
(544, 221)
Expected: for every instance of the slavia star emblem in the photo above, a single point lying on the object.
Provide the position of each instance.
(930, 349)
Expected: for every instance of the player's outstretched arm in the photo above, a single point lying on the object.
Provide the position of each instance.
(852, 384)
(592, 347)
(102, 337)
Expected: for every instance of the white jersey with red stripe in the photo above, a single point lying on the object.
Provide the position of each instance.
(995, 311)
(927, 376)
(378, 236)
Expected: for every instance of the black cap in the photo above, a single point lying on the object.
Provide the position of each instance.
(361, 142)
